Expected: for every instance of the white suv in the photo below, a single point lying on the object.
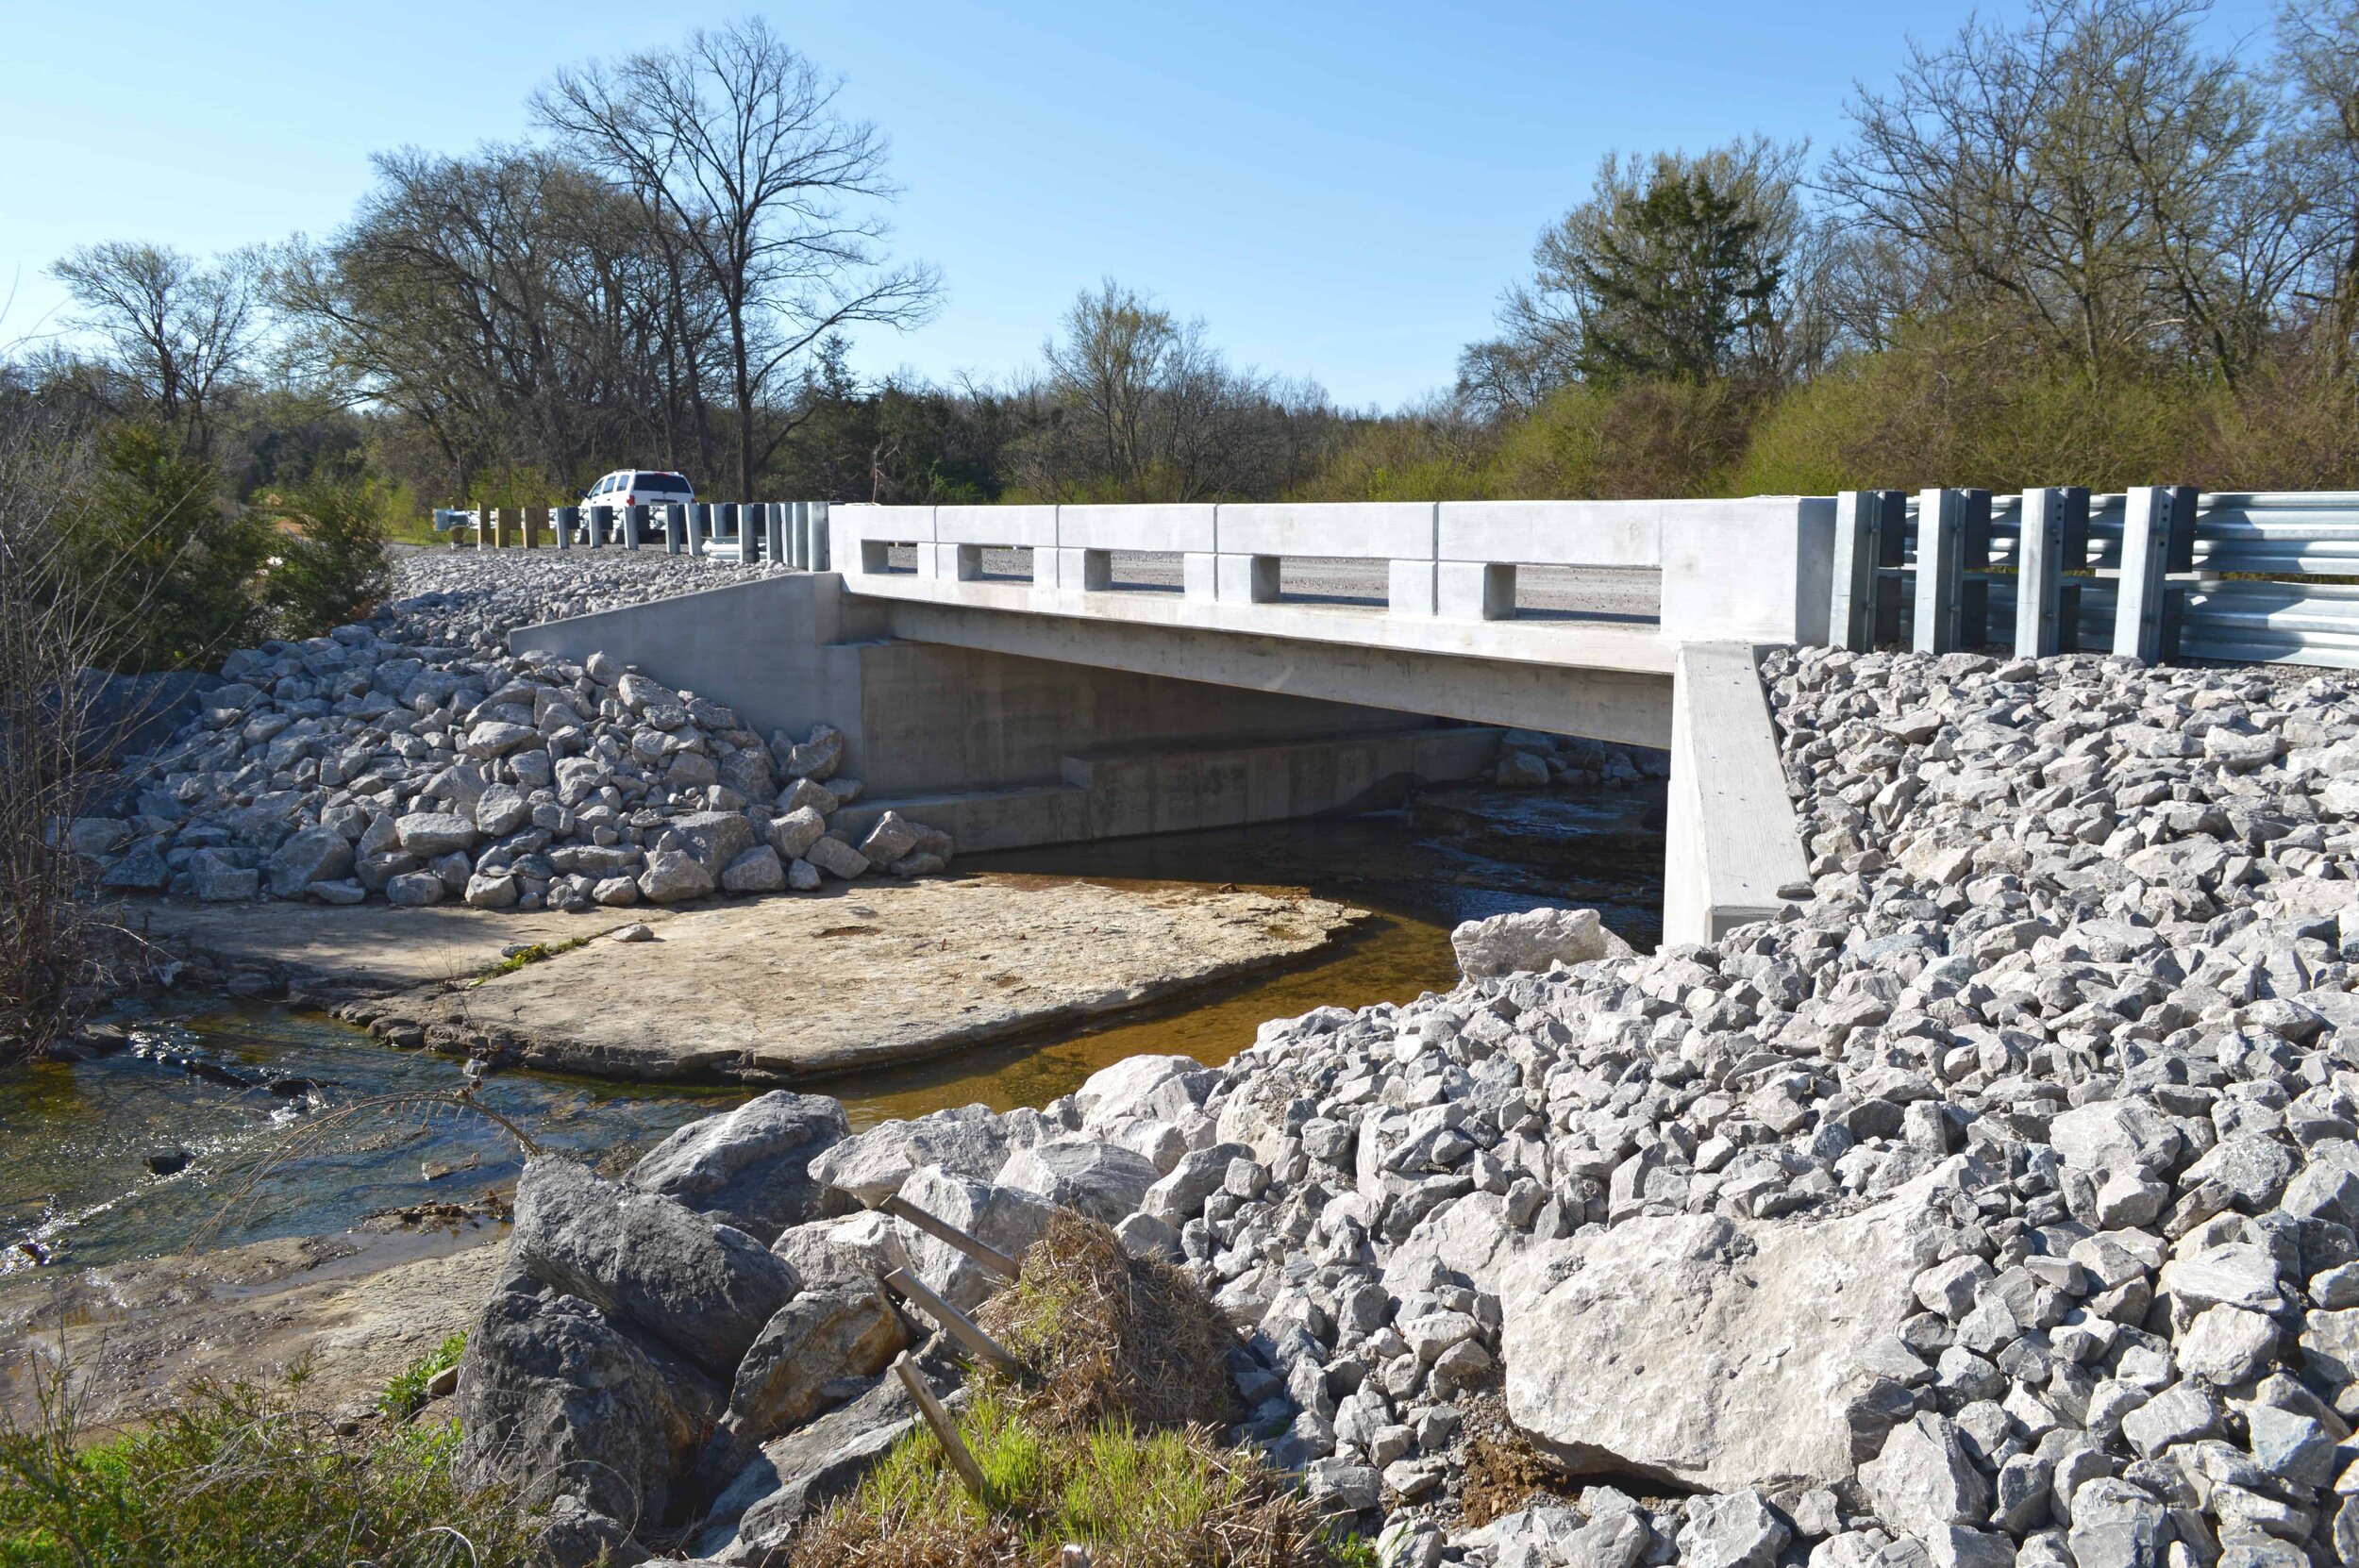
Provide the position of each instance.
(639, 486)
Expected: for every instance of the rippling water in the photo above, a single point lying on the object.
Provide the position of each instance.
(293, 1129)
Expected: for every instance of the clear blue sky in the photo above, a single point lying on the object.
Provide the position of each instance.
(1341, 190)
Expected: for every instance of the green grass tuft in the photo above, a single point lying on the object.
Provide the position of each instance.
(405, 1396)
(238, 1477)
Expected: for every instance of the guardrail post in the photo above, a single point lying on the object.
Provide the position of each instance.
(536, 519)
(2158, 537)
(774, 532)
(568, 519)
(1474, 590)
(634, 525)
(699, 525)
(675, 526)
(2053, 520)
(819, 536)
(1862, 606)
(1952, 529)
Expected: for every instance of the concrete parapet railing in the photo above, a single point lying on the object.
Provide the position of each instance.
(1755, 569)
(1732, 849)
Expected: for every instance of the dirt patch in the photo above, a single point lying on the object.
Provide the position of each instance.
(355, 1308)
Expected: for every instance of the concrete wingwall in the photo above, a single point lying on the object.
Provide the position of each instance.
(1733, 851)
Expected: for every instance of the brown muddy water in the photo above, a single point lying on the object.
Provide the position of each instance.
(251, 1092)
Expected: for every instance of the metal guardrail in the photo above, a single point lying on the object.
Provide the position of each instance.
(792, 532)
(2225, 575)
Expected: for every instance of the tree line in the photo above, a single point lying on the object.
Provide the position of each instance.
(2079, 245)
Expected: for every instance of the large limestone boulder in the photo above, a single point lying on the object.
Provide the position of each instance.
(1529, 942)
(555, 1398)
(799, 1365)
(751, 1166)
(870, 1168)
(755, 1518)
(1105, 1181)
(1161, 1088)
(1007, 1218)
(704, 1290)
(1714, 1353)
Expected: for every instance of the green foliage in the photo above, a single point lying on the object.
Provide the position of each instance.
(329, 564)
(405, 1396)
(165, 568)
(1672, 283)
(1172, 1498)
(237, 1478)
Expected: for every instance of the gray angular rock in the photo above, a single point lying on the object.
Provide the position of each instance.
(1505, 945)
(798, 1365)
(890, 838)
(315, 854)
(749, 1167)
(416, 890)
(704, 1290)
(758, 870)
(796, 831)
(1102, 1180)
(870, 1166)
(1925, 1478)
(1736, 1529)
(556, 1399)
(716, 838)
(673, 876)
(1179, 1195)
(1712, 1352)
(430, 834)
(837, 859)
(1007, 1218)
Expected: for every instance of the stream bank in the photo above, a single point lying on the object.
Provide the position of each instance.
(76, 1137)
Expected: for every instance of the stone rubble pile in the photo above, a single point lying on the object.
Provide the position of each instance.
(410, 758)
(1532, 761)
(1993, 1205)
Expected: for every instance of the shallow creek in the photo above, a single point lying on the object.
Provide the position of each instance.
(254, 1093)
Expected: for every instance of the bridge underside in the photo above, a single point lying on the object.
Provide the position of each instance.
(1626, 705)
(1011, 727)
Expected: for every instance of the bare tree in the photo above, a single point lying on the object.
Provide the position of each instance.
(176, 331)
(2090, 179)
(2319, 66)
(49, 636)
(734, 143)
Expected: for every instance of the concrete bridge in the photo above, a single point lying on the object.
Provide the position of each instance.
(1037, 674)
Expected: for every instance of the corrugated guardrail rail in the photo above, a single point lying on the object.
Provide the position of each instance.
(2227, 576)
